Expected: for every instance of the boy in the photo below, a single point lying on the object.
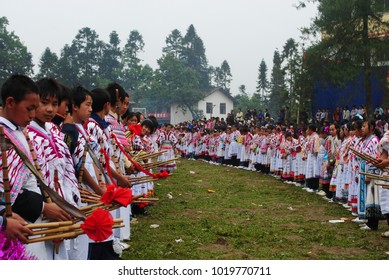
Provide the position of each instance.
(100, 130)
(20, 97)
(81, 109)
(54, 155)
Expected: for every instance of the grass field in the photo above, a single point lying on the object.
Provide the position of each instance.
(250, 216)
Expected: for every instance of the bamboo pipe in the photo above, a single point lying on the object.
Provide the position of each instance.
(7, 187)
(65, 235)
(145, 156)
(375, 176)
(100, 171)
(37, 166)
(49, 225)
(367, 157)
(81, 172)
(115, 157)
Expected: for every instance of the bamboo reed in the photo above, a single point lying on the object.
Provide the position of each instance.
(36, 163)
(81, 171)
(115, 157)
(7, 187)
(375, 176)
(367, 157)
(60, 230)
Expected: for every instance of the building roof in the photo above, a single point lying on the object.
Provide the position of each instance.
(222, 91)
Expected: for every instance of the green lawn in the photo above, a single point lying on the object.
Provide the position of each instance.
(250, 216)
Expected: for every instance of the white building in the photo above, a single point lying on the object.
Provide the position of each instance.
(216, 103)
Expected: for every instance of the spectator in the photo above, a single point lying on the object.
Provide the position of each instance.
(353, 112)
(230, 119)
(336, 115)
(318, 116)
(239, 115)
(346, 115)
(266, 114)
(260, 116)
(247, 116)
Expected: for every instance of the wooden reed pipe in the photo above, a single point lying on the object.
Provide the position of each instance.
(36, 163)
(4, 165)
(115, 157)
(81, 171)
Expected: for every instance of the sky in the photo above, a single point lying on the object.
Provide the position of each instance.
(242, 32)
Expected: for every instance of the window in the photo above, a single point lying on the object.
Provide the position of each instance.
(223, 108)
(209, 108)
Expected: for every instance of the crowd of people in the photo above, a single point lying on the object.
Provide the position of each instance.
(59, 143)
(330, 159)
(63, 143)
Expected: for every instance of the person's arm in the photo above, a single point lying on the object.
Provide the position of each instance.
(88, 180)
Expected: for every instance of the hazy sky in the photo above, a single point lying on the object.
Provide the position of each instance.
(239, 31)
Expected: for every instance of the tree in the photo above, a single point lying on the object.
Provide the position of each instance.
(67, 67)
(79, 63)
(293, 62)
(174, 44)
(48, 65)
(193, 54)
(14, 57)
(278, 92)
(222, 76)
(349, 42)
(175, 82)
(110, 65)
(242, 100)
(263, 82)
(131, 60)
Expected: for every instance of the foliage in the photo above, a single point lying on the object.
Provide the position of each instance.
(110, 66)
(175, 82)
(346, 42)
(14, 57)
(278, 93)
(262, 82)
(48, 64)
(193, 55)
(222, 76)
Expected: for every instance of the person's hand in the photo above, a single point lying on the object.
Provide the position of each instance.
(54, 213)
(68, 119)
(382, 163)
(16, 228)
(123, 182)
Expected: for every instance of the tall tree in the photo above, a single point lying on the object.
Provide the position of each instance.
(14, 57)
(48, 65)
(174, 44)
(175, 82)
(131, 61)
(292, 61)
(110, 65)
(79, 63)
(222, 76)
(68, 66)
(262, 82)
(278, 92)
(349, 43)
(193, 54)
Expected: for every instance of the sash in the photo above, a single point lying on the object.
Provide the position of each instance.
(17, 169)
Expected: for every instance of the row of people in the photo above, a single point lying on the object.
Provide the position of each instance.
(77, 141)
(320, 160)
